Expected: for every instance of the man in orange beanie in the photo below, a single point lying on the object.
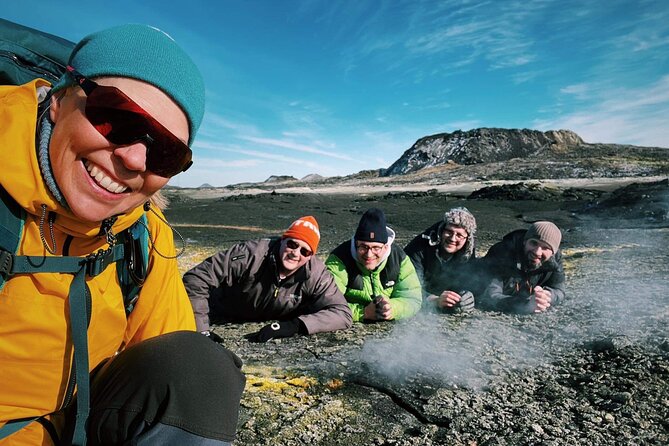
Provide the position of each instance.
(270, 279)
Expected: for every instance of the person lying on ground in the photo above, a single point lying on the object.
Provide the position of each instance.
(444, 256)
(525, 270)
(376, 276)
(82, 161)
(270, 279)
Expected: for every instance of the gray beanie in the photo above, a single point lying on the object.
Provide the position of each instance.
(546, 232)
(463, 218)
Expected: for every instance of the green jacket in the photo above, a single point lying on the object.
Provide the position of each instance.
(359, 285)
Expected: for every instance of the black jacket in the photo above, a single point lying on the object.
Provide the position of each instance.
(511, 282)
(458, 273)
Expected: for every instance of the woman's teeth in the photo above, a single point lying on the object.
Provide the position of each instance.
(103, 180)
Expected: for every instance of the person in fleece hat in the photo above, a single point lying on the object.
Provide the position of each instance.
(525, 270)
(376, 276)
(445, 260)
(82, 160)
(269, 279)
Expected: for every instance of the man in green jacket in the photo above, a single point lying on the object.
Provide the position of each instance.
(377, 278)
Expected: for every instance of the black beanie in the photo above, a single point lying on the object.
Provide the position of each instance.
(372, 227)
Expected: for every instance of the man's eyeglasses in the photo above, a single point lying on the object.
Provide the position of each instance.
(292, 244)
(363, 249)
(122, 121)
(448, 235)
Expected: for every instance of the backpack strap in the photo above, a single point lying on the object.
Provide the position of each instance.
(12, 217)
(133, 267)
(80, 303)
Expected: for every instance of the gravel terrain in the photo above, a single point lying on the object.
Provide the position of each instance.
(594, 370)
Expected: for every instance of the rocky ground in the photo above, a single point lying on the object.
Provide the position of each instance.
(594, 370)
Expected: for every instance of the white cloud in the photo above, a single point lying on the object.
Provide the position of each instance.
(291, 145)
(638, 116)
(579, 91)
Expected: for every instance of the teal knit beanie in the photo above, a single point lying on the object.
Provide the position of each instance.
(145, 53)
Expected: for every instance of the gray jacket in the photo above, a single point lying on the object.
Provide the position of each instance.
(242, 285)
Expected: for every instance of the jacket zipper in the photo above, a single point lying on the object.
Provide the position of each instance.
(40, 73)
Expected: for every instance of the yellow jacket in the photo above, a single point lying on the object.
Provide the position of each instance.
(35, 344)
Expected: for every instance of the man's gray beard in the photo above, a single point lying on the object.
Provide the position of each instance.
(532, 267)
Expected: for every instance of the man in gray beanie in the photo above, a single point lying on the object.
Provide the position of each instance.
(444, 258)
(525, 270)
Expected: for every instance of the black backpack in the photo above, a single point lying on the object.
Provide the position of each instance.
(26, 54)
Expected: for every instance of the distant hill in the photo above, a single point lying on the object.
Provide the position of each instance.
(280, 179)
(311, 177)
(484, 145)
(488, 154)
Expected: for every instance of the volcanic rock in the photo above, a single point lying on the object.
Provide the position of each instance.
(484, 145)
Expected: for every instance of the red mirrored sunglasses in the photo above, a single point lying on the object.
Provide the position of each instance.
(122, 121)
(292, 244)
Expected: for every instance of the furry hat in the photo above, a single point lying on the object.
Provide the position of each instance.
(464, 219)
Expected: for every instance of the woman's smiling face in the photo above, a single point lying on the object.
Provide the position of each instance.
(97, 178)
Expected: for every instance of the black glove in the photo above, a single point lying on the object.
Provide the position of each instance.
(466, 303)
(378, 301)
(283, 329)
(213, 336)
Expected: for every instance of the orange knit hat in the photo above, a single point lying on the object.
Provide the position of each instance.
(305, 229)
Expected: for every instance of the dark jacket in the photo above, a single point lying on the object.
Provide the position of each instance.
(510, 282)
(458, 272)
(242, 284)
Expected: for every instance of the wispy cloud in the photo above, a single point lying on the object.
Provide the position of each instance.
(256, 155)
(291, 145)
(218, 163)
(456, 34)
(580, 91)
(620, 115)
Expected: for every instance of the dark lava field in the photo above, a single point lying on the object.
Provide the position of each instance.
(592, 371)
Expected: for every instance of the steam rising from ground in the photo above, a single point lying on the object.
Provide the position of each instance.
(468, 353)
(617, 287)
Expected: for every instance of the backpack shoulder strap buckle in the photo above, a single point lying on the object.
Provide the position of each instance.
(6, 263)
(97, 262)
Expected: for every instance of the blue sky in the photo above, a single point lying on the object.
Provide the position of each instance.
(335, 87)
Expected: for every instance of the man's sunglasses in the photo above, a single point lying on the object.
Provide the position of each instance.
(292, 244)
(122, 121)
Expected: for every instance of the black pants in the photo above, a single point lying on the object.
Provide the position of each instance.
(179, 388)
